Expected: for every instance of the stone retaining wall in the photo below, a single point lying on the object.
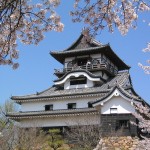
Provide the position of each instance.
(117, 143)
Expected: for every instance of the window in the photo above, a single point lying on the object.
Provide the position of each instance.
(71, 105)
(76, 81)
(122, 124)
(90, 105)
(82, 61)
(113, 111)
(48, 107)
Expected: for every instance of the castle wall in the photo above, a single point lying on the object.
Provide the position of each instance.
(57, 104)
(59, 121)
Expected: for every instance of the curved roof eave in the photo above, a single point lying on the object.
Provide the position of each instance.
(81, 70)
(105, 49)
(122, 92)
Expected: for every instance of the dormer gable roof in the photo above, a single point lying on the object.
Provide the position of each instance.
(116, 91)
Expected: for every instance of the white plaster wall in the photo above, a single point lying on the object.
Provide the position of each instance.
(105, 76)
(68, 86)
(90, 119)
(76, 74)
(123, 106)
(57, 104)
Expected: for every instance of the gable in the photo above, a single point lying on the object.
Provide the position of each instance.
(118, 100)
(119, 104)
(82, 43)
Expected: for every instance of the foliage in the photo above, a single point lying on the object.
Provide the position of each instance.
(9, 106)
(25, 20)
(99, 14)
(28, 20)
(30, 139)
(83, 137)
(55, 139)
(143, 116)
(14, 137)
(6, 125)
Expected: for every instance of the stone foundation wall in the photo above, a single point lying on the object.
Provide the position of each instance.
(117, 143)
(110, 125)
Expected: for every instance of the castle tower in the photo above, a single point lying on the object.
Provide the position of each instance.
(93, 88)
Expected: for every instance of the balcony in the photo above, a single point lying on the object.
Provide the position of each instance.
(90, 67)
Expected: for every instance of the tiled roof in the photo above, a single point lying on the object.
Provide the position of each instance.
(104, 49)
(81, 46)
(124, 92)
(64, 112)
(55, 93)
(80, 70)
(81, 43)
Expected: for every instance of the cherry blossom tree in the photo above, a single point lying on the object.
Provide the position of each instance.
(143, 116)
(25, 20)
(110, 14)
(100, 14)
(146, 68)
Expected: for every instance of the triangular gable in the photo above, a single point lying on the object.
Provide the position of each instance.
(117, 91)
(82, 43)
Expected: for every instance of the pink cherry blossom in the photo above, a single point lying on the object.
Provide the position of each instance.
(27, 21)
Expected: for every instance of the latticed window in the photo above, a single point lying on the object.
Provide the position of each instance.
(82, 61)
(48, 107)
(76, 81)
(71, 105)
(90, 105)
(122, 124)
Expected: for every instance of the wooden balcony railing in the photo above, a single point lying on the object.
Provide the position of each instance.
(89, 67)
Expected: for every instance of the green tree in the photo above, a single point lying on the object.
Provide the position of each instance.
(55, 139)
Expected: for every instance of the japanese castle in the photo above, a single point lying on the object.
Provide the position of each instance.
(93, 88)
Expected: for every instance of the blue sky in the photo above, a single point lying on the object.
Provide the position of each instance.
(37, 66)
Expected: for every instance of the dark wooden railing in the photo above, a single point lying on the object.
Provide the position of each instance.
(89, 67)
